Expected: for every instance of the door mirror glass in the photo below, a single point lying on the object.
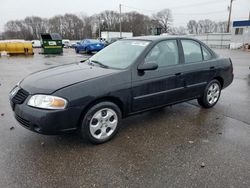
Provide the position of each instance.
(148, 66)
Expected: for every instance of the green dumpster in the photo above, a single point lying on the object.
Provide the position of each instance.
(51, 43)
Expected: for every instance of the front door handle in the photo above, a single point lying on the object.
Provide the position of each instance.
(177, 74)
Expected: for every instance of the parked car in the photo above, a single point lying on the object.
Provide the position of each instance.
(73, 44)
(89, 46)
(112, 40)
(127, 77)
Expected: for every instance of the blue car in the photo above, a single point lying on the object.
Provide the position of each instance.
(89, 46)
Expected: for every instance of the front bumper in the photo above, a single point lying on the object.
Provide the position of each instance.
(49, 122)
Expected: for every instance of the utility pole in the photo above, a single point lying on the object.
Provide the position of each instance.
(120, 8)
(99, 28)
(229, 15)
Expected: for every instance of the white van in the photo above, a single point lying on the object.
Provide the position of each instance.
(36, 43)
(66, 43)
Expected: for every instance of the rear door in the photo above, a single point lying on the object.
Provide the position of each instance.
(197, 69)
(162, 86)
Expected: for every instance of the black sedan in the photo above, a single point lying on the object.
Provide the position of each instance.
(127, 77)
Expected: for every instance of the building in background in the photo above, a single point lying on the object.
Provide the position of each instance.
(240, 34)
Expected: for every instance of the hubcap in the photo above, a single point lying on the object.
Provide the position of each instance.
(213, 93)
(103, 123)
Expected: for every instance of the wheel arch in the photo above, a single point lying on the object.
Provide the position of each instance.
(221, 80)
(112, 99)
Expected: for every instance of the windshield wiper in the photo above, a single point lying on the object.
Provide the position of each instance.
(98, 63)
(82, 61)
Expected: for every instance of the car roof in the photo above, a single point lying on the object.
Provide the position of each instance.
(153, 38)
(158, 37)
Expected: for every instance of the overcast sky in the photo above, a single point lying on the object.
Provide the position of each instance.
(182, 10)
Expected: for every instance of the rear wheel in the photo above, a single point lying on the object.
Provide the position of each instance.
(101, 122)
(211, 94)
(77, 51)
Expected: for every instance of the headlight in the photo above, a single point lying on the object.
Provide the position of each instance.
(47, 102)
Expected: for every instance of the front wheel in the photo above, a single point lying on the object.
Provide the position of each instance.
(101, 122)
(88, 51)
(211, 94)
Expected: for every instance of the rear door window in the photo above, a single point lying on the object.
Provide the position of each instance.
(206, 54)
(192, 51)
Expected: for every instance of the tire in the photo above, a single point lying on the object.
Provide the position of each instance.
(211, 94)
(88, 51)
(77, 51)
(101, 122)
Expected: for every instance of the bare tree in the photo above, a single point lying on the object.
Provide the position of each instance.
(87, 26)
(206, 26)
(134, 22)
(192, 27)
(165, 19)
(137, 23)
(178, 30)
(35, 25)
(56, 24)
(110, 19)
(17, 29)
(73, 26)
(221, 27)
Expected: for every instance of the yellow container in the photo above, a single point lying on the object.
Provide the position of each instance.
(2, 47)
(17, 48)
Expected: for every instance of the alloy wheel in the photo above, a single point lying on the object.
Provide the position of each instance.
(103, 123)
(213, 93)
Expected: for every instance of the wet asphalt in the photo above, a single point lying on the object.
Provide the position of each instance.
(178, 146)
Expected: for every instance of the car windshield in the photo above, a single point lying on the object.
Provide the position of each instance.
(121, 54)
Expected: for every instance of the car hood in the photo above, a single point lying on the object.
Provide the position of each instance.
(50, 80)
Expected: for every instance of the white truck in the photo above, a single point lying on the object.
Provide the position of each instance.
(107, 35)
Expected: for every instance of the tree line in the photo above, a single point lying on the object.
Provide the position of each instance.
(77, 27)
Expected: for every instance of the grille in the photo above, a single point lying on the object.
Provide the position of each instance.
(24, 122)
(20, 96)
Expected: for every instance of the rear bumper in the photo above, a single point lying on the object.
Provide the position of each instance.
(49, 122)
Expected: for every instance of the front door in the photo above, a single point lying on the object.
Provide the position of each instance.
(161, 86)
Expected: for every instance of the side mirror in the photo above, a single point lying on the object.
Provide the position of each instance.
(147, 66)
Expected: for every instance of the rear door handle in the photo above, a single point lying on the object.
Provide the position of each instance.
(212, 67)
(177, 74)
